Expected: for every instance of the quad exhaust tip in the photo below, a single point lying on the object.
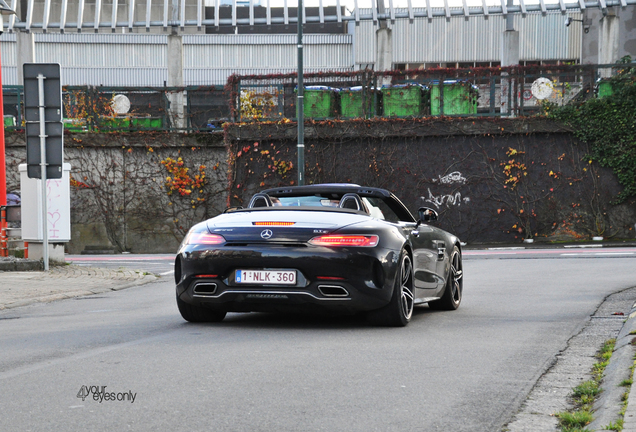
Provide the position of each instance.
(333, 291)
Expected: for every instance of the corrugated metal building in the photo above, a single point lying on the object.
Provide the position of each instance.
(473, 39)
(141, 60)
(134, 59)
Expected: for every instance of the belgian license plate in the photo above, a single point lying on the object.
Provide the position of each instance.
(265, 277)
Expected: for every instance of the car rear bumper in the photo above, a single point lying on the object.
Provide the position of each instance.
(343, 280)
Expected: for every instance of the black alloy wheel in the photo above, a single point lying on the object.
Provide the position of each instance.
(399, 311)
(453, 292)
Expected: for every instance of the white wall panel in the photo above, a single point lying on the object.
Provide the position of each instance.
(114, 76)
(476, 39)
(267, 51)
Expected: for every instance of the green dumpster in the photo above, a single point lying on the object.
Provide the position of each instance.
(114, 123)
(604, 88)
(9, 120)
(319, 102)
(146, 123)
(405, 100)
(352, 103)
(459, 98)
(75, 125)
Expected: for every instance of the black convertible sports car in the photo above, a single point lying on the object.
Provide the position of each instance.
(331, 247)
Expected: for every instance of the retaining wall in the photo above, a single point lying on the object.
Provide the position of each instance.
(491, 180)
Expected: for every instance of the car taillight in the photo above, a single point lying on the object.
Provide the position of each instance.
(204, 238)
(345, 240)
(273, 223)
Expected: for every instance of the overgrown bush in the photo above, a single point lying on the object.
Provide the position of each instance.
(608, 125)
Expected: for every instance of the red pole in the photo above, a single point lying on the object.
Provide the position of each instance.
(3, 177)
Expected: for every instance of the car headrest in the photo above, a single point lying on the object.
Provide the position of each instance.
(352, 201)
(260, 200)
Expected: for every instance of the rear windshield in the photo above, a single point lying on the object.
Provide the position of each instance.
(305, 201)
(376, 206)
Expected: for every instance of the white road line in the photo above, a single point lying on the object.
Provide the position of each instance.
(166, 273)
(614, 253)
(597, 253)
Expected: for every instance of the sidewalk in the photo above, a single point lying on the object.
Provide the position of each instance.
(21, 288)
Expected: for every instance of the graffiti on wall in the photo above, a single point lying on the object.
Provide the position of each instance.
(452, 199)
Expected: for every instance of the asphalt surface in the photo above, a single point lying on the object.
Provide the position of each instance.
(467, 370)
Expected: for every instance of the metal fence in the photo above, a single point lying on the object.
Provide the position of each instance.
(513, 91)
(131, 109)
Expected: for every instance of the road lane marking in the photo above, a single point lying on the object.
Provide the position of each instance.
(614, 253)
(597, 254)
(555, 251)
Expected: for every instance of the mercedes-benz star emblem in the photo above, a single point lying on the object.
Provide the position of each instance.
(266, 234)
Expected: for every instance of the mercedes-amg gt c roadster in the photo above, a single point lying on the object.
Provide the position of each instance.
(327, 247)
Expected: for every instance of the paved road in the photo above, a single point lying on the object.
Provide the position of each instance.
(467, 370)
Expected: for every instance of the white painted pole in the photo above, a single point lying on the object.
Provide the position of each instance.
(45, 225)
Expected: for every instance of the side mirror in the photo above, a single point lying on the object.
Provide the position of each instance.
(427, 214)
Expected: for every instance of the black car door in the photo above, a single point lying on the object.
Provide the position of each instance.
(428, 259)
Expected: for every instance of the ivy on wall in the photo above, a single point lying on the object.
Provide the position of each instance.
(487, 188)
(608, 125)
(145, 190)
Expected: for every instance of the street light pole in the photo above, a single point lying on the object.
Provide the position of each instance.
(300, 102)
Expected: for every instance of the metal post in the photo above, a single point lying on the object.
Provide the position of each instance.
(4, 250)
(300, 103)
(3, 165)
(45, 225)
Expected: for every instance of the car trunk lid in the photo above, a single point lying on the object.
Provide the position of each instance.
(279, 226)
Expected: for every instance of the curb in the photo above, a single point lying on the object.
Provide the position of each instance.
(21, 264)
(79, 293)
(609, 404)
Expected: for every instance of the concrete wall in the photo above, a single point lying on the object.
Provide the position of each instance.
(120, 198)
(492, 180)
(596, 39)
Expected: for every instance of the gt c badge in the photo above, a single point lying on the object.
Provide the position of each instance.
(267, 234)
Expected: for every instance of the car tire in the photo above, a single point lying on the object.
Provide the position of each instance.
(197, 314)
(454, 289)
(400, 309)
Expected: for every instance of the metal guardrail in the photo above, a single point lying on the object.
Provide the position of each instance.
(513, 91)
